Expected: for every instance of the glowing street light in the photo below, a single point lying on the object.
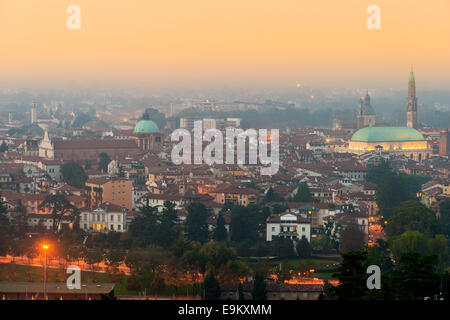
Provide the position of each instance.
(45, 248)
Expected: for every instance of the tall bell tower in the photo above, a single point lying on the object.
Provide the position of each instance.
(411, 102)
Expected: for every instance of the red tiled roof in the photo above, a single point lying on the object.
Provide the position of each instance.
(94, 144)
(275, 218)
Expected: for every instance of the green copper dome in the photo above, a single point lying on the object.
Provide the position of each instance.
(387, 134)
(146, 126)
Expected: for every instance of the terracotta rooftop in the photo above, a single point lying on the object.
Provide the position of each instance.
(94, 144)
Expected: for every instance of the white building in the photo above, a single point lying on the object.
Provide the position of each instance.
(157, 200)
(53, 168)
(107, 217)
(287, 225)
(45, 221)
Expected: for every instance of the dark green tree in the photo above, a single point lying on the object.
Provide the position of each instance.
(220, 232)
(73, 174)
(19, 219)
(414, 278)
(281, 247)
(279, 208)
(380, 255)
(241, 292)
(243, 250)
(166, 231)
(272, 196)
(351, 239)
(444, 217)
(3, 147)
(352, 276)
(143, 228)
(376, 172)
(212, 287)
(60, 209)
(261, 249)
(104, 160)
(414, 216)
(303, 248)
(303, 194)
(5, 229)
(391, 191)
(259, 288)
(196, 222)
(244, 223)
(414, 184)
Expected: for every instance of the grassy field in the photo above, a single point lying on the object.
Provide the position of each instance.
(324, 266)
(20, 273)
(313, 262)
(325, 276)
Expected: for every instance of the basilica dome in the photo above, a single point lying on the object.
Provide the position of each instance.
(146, 126)
(387, 134)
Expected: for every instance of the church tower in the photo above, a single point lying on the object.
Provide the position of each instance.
(33, 112)
(365, 116)
(411, 102)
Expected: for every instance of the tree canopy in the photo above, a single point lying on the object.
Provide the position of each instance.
(303, 194)
(412, 215)
(104, 160)
(244, 223)
(60, 209)
(391, 191)
(196, 222)
(73, 174)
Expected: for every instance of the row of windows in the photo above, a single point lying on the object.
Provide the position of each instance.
(99, 227)
(288, 229)
(96, 217)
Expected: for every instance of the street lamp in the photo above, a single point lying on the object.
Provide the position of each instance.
(45, 247)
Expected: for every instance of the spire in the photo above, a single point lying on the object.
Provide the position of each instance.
(411, 74)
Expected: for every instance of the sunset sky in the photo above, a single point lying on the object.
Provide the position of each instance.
(320, 42)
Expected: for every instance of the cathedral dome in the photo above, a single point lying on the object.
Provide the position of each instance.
(387, 134)
(146, 126)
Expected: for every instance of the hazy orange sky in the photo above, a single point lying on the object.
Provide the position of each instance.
(226, 42)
